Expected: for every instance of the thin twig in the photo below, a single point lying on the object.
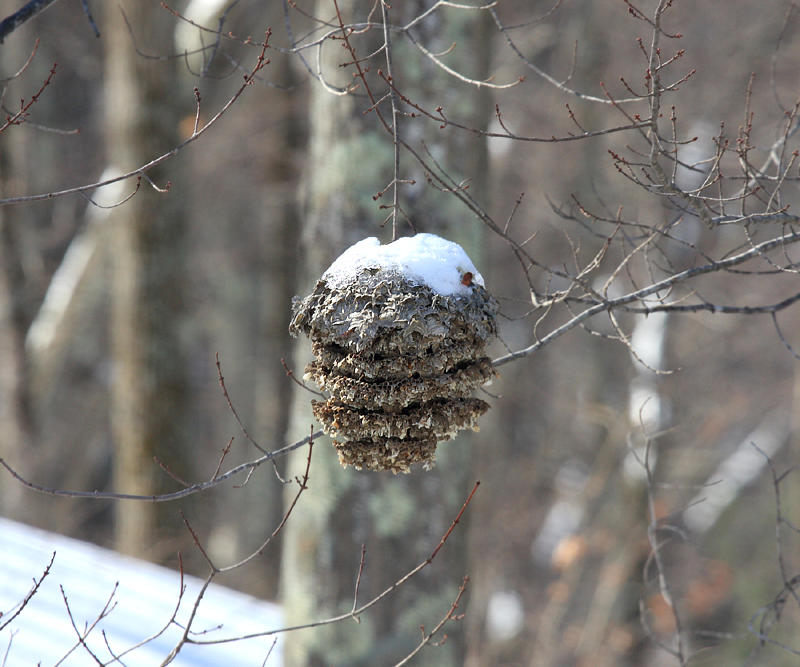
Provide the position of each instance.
(221, 380)
(29, 10)
(367, 605)
(8, 616)
(395, 116)
(164, 497)
(451, 615)
(261, 62)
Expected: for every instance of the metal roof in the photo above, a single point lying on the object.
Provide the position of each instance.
(141, 604)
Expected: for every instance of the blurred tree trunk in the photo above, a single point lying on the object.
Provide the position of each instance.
(398, 518)
(273, 285)
(568, 446)
(149, 388)
(16, 435)
(18, 226)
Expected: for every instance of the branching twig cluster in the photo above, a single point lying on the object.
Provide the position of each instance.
(189, 636)
(21, 115)
(787, 601)
(141, 172)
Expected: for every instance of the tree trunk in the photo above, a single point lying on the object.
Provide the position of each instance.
(16, 438)
(399, 519)
(149, 389)
(17, 299)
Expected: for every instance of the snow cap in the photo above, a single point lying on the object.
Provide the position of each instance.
(426, 259)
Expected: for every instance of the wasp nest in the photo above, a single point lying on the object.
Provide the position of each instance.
(399, 346)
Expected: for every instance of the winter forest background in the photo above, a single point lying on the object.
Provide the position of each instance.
(624, 175)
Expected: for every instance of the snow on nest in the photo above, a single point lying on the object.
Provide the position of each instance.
(425, 258)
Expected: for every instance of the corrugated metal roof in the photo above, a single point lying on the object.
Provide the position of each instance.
(143, 600)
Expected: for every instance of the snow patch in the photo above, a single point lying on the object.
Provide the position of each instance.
(140, 598)
(736, 472)
(204, 13)
(426, 259)
(505, 615)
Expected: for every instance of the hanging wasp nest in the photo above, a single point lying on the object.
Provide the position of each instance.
(399, 334)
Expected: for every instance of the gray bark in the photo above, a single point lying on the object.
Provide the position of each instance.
(149, 388)
(399, 518)
(17, 298)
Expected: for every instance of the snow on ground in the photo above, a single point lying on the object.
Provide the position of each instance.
(426, 259)
(144, 597)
